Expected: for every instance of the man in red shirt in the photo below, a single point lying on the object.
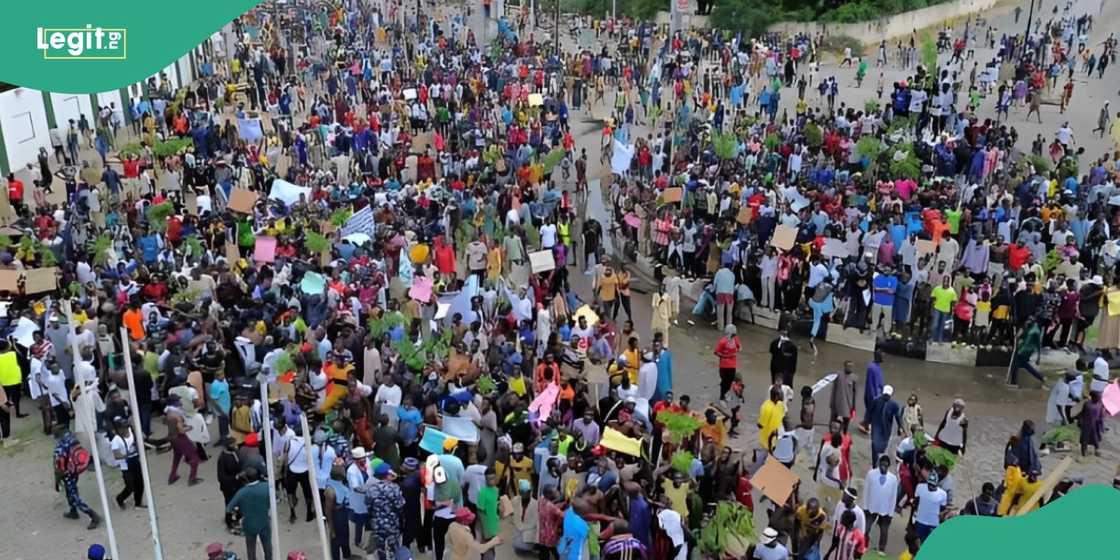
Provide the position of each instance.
(1017, 256)
(15, 191)
(727, 350)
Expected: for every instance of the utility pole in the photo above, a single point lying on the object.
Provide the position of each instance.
(1027, 34)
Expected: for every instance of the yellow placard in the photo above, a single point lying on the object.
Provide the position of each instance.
(615, 441)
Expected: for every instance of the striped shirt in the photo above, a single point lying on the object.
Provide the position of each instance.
(624, 547)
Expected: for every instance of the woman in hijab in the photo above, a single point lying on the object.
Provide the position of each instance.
(1024, 449)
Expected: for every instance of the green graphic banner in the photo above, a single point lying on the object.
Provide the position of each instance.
(89, 46)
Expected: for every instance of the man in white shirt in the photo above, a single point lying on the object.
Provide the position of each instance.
(297, 474)
(1064, 135)
(848, 503)
(880, 495)
(389, 392)
(548, 234)
(1100, 370)
(769, 548)
(927, 512)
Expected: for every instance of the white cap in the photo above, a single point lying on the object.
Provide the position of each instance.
(1097, 279)
(888, 390)
(768, 536)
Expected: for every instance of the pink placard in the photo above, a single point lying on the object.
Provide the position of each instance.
(632, 220)
(265, 250)
(421, 289)
(1111, 398)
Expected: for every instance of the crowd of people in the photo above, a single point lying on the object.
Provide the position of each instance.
(384, 230)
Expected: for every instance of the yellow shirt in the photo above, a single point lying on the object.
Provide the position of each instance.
(678, 496)
(769, 420)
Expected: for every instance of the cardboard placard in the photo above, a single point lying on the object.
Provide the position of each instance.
(536, 100)
(745, 215)
(10, 280)
(672, 194)
(925, 247)
(542, 261)
(233, 254)
(41, 280)
(784, 237)
(775, 481)
(242, 200)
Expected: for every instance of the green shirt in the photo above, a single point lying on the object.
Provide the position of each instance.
(488, 510)
(954, 219)
(1030, 343)
(943, 299)
(252, 499)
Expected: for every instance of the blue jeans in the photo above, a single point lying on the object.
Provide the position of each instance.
(1024, 363)
(938, 327)
(923, 530)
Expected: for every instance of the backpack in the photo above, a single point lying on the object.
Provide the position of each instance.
(75, 461)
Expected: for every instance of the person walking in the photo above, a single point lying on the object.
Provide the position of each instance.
(70, 461)
(727, 350)
(336, 498)
(127, 458)
(253, 503)
(842, 403)
(385, 504)
(1030, 343)
(1035, 105)
(1104, 120)
(952, 433)
(297, 474)
(872, 388)
(181, 445)
(885, 418)
(783, 359)
(724, 284)
(880, 496)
